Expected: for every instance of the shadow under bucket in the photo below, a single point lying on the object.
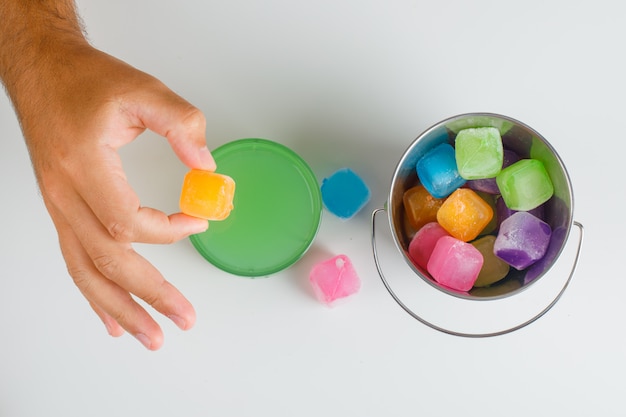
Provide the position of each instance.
(557, 211)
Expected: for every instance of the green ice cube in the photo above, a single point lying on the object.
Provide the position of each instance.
(479, 153)
(525, 185)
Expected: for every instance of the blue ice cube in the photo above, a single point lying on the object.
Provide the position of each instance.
(344, 193)
(438, 172)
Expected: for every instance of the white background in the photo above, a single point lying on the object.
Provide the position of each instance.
(343, 83)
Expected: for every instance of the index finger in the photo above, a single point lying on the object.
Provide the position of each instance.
(167, 114)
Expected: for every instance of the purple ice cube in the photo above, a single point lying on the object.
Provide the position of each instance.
(503, 212)
(489, 185)
(522, 240)
(556, 243)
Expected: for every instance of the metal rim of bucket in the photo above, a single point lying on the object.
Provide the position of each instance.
(478, 335)
(570, 222)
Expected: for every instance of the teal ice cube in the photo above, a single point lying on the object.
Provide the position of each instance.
(479, 153)
(525, 185)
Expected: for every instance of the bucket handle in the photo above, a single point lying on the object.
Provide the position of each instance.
(472, 335)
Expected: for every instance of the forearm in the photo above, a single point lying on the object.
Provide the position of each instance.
(33, 34)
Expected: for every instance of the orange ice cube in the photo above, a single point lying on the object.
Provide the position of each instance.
(464, 214)
(207, 195)
(420, 206)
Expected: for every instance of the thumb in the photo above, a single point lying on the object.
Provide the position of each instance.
(182, 124)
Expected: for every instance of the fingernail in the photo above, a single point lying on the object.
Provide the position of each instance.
(207, 159)
(179, 321)
(144, 340)
(199, 227)
(108, 327)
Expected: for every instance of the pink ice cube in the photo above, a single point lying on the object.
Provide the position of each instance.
(423, 243)
(334, 278)
(455, 264)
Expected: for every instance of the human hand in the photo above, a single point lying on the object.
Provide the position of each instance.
(85, 107)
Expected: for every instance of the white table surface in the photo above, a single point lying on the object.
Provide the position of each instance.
(343, 83)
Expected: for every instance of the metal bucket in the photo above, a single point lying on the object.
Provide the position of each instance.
(558, 212)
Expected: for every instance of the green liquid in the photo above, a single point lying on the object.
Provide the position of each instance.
(276, 214)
